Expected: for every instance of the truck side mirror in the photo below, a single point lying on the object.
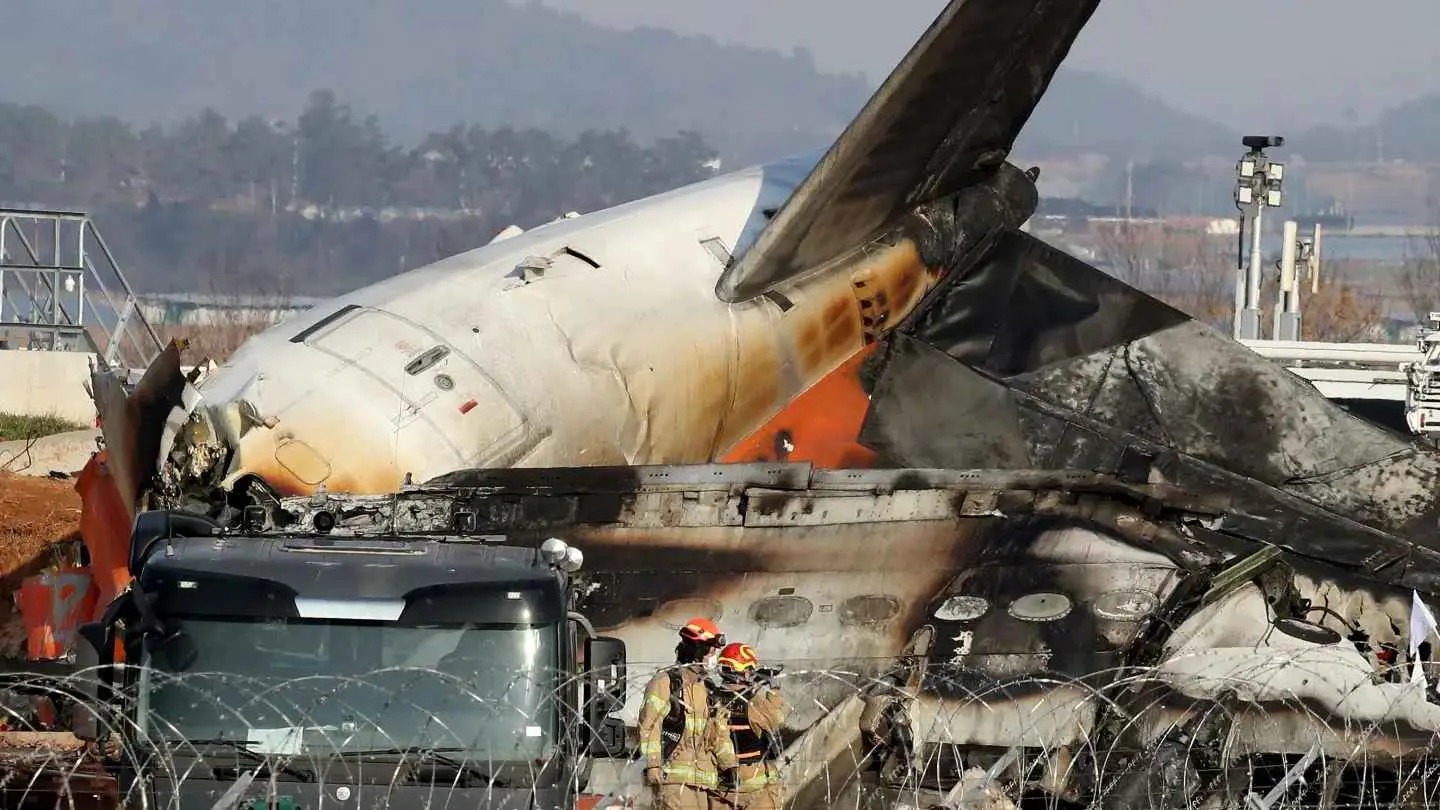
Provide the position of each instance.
(605, 694)
(92, 660)
(605, 662)
(608, 738)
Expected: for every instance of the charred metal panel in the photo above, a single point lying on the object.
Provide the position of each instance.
(1216, 402)
(1220, 402)
(789, 475)
(1032, 599)
(1026, 305)
(791, 509)
(1251, 510)
(133, 426)
(1102, 377)
(783, 590)
(1031, 634)
(1136, 511)
(945, 118)
(966, 420)
(1044, 434)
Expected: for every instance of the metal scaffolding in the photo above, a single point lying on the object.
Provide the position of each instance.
(62, 290)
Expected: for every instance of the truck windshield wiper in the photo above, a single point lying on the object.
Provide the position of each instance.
(436, 755)
(272, 762)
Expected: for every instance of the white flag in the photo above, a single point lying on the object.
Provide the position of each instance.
(1422, 624)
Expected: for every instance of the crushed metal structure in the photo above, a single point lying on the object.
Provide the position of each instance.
(1081, 619)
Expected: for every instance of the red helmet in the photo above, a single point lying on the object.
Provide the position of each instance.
(737, 659)
(702, 631)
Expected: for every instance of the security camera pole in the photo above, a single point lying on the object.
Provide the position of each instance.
(1258, 185)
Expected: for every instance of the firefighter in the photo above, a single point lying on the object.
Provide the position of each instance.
(754, 711)
(689, 760)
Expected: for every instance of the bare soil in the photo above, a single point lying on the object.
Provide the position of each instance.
(53, 770)
(39, 529)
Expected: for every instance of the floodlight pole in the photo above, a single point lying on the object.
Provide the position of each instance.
(1250, 316)
(1241, 277)
(1258, 185)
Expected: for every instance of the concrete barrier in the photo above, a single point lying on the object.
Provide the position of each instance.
(62, 452)
(46, 383)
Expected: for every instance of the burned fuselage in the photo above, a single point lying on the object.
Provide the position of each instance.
(1198, 513)
(1076, 618)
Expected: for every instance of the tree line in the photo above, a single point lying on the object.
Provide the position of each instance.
(319, 204)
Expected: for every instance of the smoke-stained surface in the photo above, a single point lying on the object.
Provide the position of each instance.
(1063, 367)
(1083, 616)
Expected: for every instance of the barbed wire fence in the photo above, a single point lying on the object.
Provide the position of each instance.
(918, 737)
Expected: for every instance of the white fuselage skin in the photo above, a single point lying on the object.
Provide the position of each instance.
(635, 361)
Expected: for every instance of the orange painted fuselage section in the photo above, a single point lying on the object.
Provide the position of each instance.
(821, 426)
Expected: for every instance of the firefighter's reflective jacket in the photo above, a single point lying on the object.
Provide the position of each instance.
(680, 730)
(754, 718)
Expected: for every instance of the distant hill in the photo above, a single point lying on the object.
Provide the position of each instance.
(1403, 132)
(1089, 112)
(419, 67)
(424, 66)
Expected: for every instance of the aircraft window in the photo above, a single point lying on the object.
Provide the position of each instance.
(782, 611)
(716, 246)
(324, 322)
(869, 609)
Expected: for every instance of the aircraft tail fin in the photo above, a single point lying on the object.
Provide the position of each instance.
(946, 117)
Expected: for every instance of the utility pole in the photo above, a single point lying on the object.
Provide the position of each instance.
(1258, 186)
(1287, 301)
(1129, 191)
(1297, 254)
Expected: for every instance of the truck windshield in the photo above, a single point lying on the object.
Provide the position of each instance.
(315, 687)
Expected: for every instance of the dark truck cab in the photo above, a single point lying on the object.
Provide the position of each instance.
(306, 671)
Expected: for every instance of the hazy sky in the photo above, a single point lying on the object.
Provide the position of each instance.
(1320, 56)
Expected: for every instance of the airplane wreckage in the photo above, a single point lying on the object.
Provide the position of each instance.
(851, 411)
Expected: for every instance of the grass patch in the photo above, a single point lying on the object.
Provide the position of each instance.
(20, 427)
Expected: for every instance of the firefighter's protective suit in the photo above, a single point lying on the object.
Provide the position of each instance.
(683, 740)
(755, 717)
(754, 713)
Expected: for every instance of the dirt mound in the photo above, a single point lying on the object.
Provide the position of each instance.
(39, 528)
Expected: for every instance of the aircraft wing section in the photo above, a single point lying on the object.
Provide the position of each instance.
(1032, 359)
(946, 116)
